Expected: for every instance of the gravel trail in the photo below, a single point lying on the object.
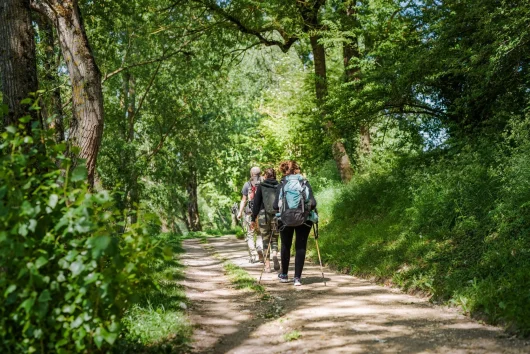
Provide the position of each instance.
(347, 315)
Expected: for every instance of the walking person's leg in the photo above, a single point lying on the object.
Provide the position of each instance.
(249, 237)
(265, 233)
(287, 240)
(259, 241)
(302, 234)
(274, 251)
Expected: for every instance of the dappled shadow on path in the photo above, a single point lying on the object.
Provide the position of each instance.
(348, 315)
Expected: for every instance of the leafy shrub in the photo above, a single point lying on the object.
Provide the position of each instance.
(67, 271)
(157, 323)
(453, 223)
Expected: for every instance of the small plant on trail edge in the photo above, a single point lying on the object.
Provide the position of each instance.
(240, 234)
(293, 335)
(241, 279)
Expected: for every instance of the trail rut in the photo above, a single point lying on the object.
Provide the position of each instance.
(349, 315)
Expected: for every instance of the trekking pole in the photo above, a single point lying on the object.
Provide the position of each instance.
(265, 259)
(318, 251)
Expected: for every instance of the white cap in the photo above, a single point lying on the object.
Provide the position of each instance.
(255, 171)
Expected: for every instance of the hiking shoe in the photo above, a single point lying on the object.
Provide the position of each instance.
(297, 282)
(276, 263)
(260, 255)
(283, 278)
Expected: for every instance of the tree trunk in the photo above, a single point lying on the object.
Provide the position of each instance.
(366, 146)
(319, 57)
(131, 108)
(340, 155)
(134, 196)
(87, 95)
(352, 73)
(193, 218)
(51, 67)
(18, 63)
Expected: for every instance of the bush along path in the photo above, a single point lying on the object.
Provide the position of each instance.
(231, 314)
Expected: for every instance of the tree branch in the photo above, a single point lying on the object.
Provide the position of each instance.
(161, 143)
(146, 62)
(258, 33)
(151, 82)
(45, 8)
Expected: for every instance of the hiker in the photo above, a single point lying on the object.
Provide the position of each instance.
(295, 204)
(255, 248)
(264, 212)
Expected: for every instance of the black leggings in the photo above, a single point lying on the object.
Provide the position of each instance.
(302, 234)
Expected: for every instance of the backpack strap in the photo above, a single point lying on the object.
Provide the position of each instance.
(282, 197)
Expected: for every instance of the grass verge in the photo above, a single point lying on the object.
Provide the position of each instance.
(158, 323)
(453, 226)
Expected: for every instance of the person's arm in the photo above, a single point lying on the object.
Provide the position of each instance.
(244, 193)
(312, 200)
(242, 206)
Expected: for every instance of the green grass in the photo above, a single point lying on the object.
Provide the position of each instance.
(241, 279)
(293, 335)
(209, 233)
(158, 323)
(453, 225)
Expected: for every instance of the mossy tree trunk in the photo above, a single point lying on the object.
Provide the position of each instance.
(193, 220)
(85, 77)
(340, 155)
(51, 67)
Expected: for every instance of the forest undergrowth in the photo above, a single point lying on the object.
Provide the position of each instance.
(451, 223)
(158, 323)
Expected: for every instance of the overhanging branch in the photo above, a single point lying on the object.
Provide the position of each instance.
(259, 33)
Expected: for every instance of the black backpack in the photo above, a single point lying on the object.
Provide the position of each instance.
(268, 192)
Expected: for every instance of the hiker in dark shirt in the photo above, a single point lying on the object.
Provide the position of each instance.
(291, 171)
(265, 214)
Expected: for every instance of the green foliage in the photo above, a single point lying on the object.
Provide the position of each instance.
(158, 322)
(191, 102)
(68, 270)
(241, 279)
(293, 335)
(452, 223)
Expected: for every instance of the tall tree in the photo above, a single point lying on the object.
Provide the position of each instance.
(351, 59)
(291, 20)
(87, 95)
(18, 63)
(53, 107)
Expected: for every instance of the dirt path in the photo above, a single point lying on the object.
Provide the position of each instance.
(348, 315)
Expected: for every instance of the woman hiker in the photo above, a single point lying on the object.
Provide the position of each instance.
(264, 212)
(291, 179)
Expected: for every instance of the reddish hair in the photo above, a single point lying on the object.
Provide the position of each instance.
(289, 167)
